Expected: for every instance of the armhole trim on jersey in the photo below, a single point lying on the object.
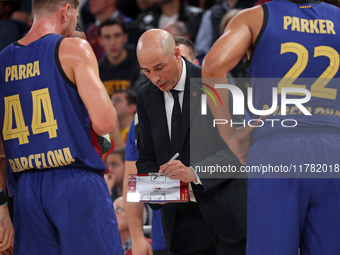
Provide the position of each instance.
(18, 44)
(60, 69)
(305, 1)
(264, 25)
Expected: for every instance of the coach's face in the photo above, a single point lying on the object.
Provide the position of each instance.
(163, 69)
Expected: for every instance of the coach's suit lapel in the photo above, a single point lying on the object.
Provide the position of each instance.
(159, 123)
(189, 102)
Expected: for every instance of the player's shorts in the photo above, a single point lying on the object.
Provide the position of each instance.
(287, 213)
(64, 211)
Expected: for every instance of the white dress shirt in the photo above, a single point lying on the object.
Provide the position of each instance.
(169, 100)
(169, 104)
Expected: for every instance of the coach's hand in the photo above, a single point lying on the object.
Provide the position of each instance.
(175, 169)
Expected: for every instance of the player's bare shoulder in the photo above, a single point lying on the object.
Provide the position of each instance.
(75, 54)
(253, 18)
(74, 47)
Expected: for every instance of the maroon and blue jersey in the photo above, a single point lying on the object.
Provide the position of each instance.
(298, 47)
(43, 120)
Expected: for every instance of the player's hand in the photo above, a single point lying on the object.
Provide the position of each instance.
(175, 169)
(240, 142)
(7, 252)
(141, 246)
(6, 229)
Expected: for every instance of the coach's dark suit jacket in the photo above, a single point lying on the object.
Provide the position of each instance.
(222, 202)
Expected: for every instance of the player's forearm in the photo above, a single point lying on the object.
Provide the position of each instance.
(2, 168)
(3, 176)
(214, 73)
(221, 113)
(117, 138)
(106, 122)
(134, 213)
(6, 226)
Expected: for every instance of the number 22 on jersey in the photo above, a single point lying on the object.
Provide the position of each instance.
(318, 88)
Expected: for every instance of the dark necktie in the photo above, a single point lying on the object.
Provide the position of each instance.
(175, 124)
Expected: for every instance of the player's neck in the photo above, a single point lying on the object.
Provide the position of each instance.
(40, 28)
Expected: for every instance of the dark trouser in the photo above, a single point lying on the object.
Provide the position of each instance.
(192, 236)
(220, 248)
(162, 252)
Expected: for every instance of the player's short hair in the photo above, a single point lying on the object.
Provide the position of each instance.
(51, 5)
(110, 22)
(187, 42)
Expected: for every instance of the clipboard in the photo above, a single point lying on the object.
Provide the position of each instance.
(145, 188)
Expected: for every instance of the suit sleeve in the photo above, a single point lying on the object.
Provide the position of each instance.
(146, 162)
(207, 138)
(223, 157)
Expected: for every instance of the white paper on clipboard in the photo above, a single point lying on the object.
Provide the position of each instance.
(143, 188)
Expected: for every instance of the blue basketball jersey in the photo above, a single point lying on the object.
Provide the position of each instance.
(297, 47)
(44, 122)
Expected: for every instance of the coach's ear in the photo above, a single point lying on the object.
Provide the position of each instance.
(177, 53)
(196, 62)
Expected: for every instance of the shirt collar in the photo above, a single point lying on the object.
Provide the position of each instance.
(181, 83)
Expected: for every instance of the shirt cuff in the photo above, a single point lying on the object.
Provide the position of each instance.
(198, 181)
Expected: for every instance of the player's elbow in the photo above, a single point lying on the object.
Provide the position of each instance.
(105, 122)
(102, 130)
(209, 68)
(104, 127)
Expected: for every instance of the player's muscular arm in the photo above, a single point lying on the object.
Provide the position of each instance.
(6, 227)
(221, 59)
(80, 65)
(237, 40)
(240, 35)
(2, 166)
